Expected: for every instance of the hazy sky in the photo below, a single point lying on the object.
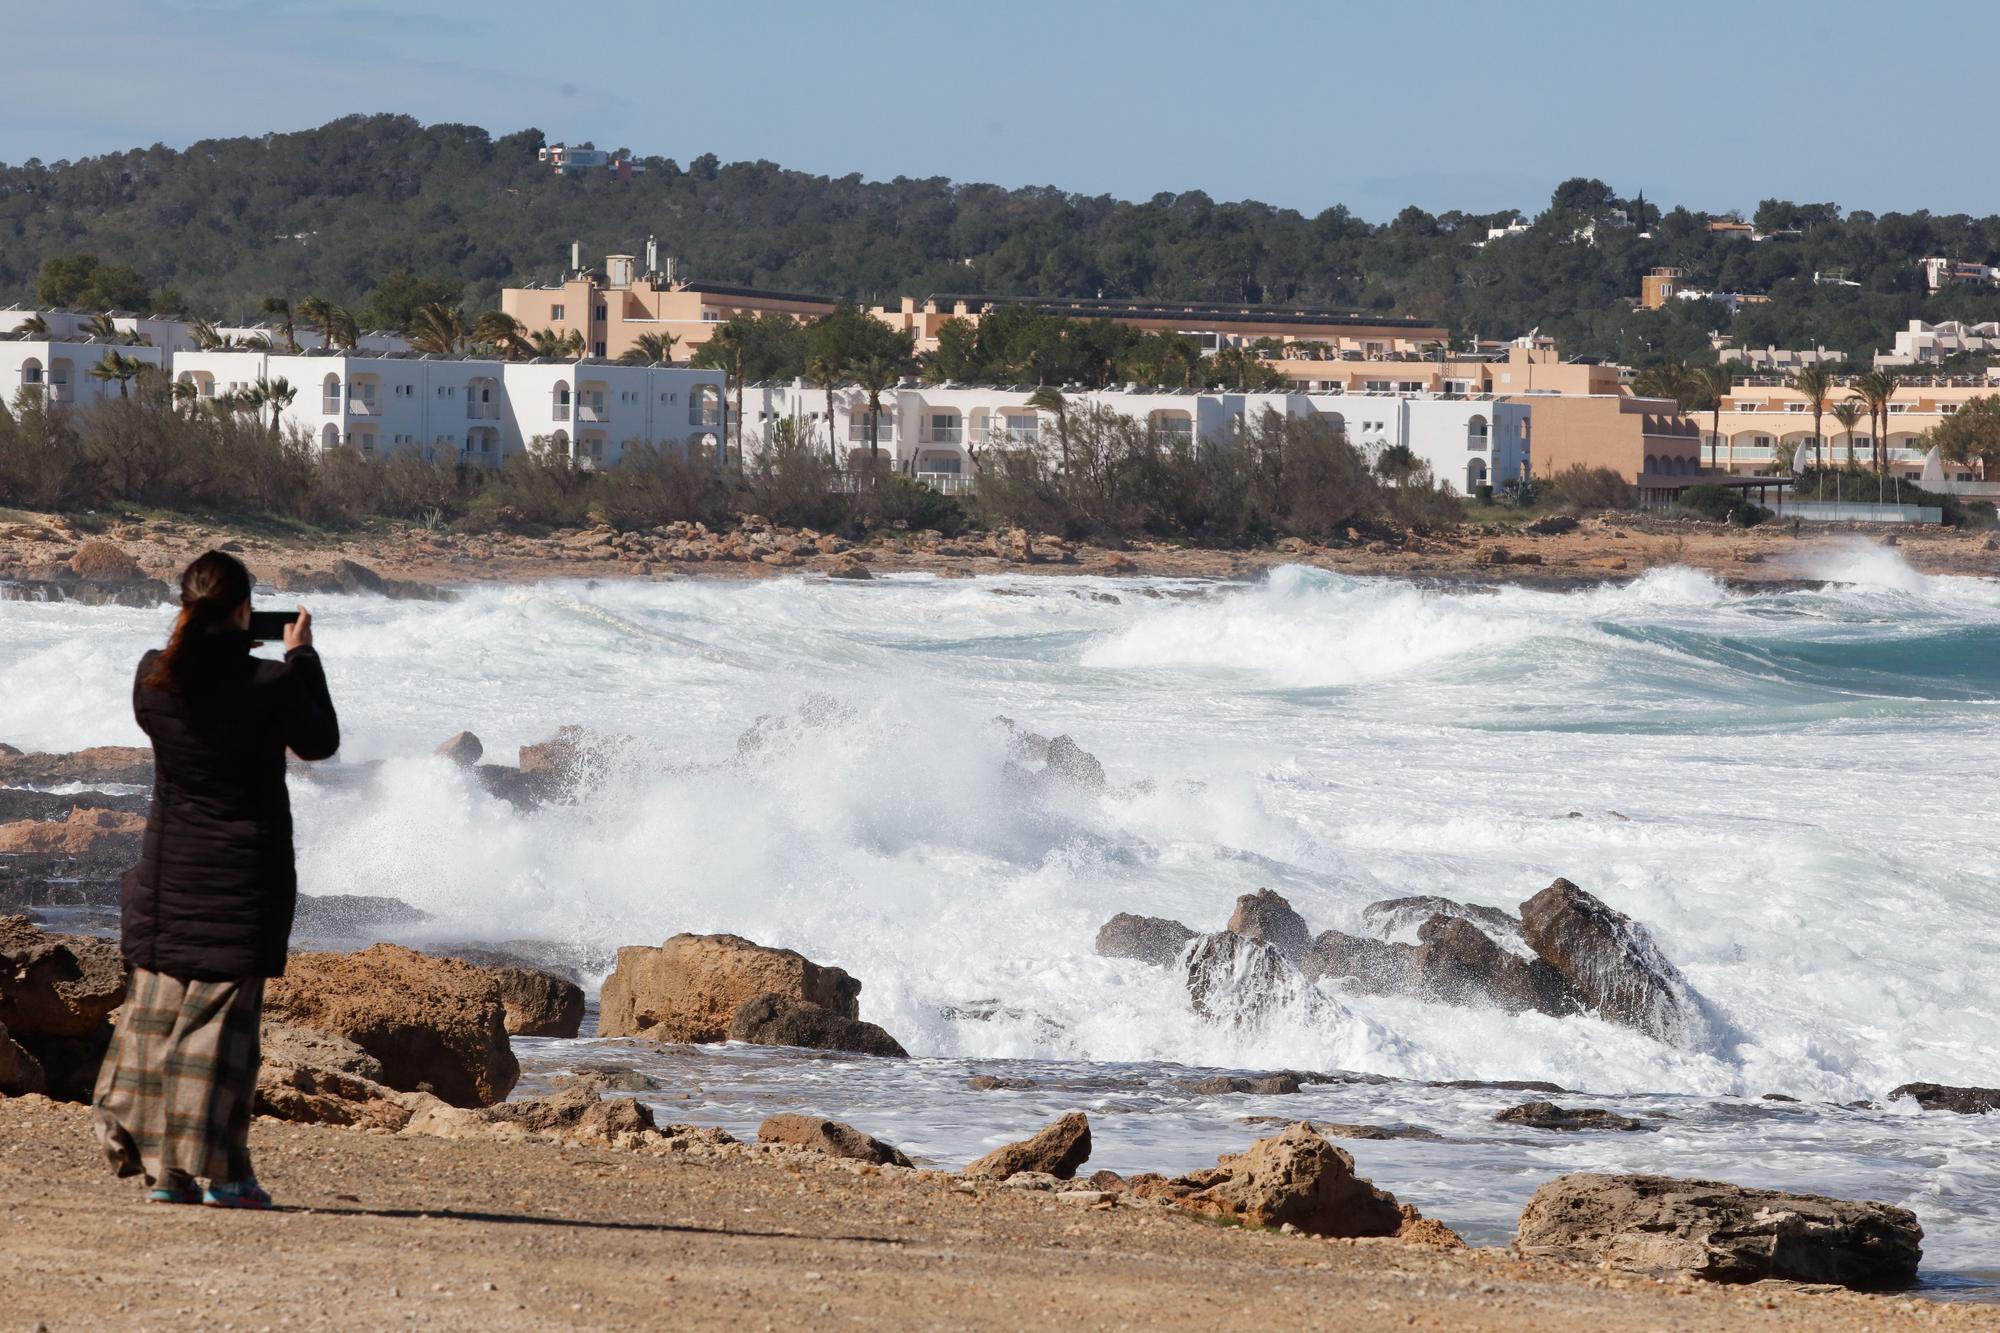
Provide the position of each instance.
(1442, 103)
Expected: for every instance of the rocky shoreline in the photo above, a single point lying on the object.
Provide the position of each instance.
(133, 560)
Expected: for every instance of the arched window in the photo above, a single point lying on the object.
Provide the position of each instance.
(559, 403)
(1652, 463)
(329, 437)
(1475, 432)
(31, 373)
(705, 406)
(329, 393)
(1475, 476)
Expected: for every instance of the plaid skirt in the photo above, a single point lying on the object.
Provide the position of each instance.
(179, 1084)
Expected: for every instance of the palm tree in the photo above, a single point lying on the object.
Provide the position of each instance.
(827, 370)
(318, 313)
(725, 347)
(1848, 411)
(1398, 463)
(120, 367)
(187, 394)
(556, 346)
(877, 366)
(438, 329)
(275, 394)
(1047, 399)
(103, 327)
(280, 307)
(1876, 388)
(34, 326)
(504, 334)
(1715, 382)
(1671, 378)
(1815, 383)
(648, 349)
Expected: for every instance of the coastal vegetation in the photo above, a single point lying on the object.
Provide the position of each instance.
(217, 228)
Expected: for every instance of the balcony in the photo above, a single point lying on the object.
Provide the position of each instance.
(944, 435)
(592, 412)
(1014, 437)
(482, 411)
(329, 405)
(362, 407)
(560, 412)
(1475, 439)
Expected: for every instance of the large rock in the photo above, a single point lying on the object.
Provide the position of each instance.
(772, 1019)
(317, 1078)
(435, 1024)
(1296, 1177)
(689, 988)
(1362, 966)
(1547, 1115)
(538, 1003)
(464, 749)
(86, 832)
(1267, 916)
(122, 765)
(1058, 1150)
(20, 1072)
(1612, 965)
(575, 1115)
(1721, 1232)
(1943, 1097)
(56, 986)
(105, 562)
(1150, 939)
(1245, 982)
(1460, 964)
(831, 1137)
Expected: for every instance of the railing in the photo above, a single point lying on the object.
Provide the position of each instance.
(482, 411)
(1835, 511)
(1014, 437)
(1475, 439)
(561, 412)
(328, 405)
(944, 435)
(709, 418)
(362, 407)
(947, 483)
(592, 412)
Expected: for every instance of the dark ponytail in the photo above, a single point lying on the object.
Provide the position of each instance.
(211, 590)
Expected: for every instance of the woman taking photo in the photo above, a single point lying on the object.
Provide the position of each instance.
(207, 914)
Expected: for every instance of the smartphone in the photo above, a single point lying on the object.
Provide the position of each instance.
(269, 626)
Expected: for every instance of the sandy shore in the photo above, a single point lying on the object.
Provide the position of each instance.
(1598, 549)
(383, 1231)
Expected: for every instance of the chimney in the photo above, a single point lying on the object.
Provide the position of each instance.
(576, 256)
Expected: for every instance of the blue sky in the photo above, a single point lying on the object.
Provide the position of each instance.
(1445, 103)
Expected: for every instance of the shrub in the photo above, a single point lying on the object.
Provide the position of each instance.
(1582, 490)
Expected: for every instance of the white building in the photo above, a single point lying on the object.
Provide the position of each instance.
(936, 432)
(449, 409)
(1924, 344)
(57, 370)
(177, 335)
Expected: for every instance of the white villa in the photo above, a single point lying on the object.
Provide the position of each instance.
(935, 432)
(177, 335)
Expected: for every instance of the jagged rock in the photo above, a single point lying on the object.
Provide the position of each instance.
(831, 1137)
(348, 576)
(689, 988)
(1721, 1232)
(772, 1019)
(575, 1115)
(1266, 916)
(20, 1072)
(1058, 1150)
(539, 1003)
(783, 731)
(1459, 964)
(1396, 919)
(1150, 939)
(317, 1078)
(351, 915)
(847, 566)
(56, 986)
(1547, 1115)
(604, 1078)
(1296, 1177)
(1942, 1097)
(1261, 1085)
(1362, 966)
(309, 1048)
(18, 803)
(435, 1024)
(1074, 765)
(994, 1083)
(1245, 982)
(1551, 525)
(464, 749)
(86, 832)
(118, 765)
(1612, 965)
(1331, 1130)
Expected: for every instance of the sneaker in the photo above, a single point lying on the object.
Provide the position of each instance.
(185, 1192)
(237, 1194)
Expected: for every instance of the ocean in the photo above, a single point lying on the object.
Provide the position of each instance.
(1792, 789)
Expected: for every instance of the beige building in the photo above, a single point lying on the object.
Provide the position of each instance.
(1764, 421)
(1648, 441)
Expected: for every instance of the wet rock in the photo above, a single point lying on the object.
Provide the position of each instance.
(1612, 965)
(1502, 1085)
(1245, 982)
(20, 1072)
(689, 988)
(994, 1083)
(1261, 1085)
(117, 765)
(1058, 1150)
(18, 803)
(464, 749)
(435, 1024)
(1721, 1232)
(86, 832)
(831, 1137)
(1460, 964)
(1396, 920)
(782, 732)
(1942, 1097)
(1295, 1178)
(56, 986)
(1150, 939)
(539, 1004)
(604, 1078)
(1547, 1115)
(1267, 916)
(1418, 1133)
(1073, 764)
(351, 915)
(847, 566)
(349, 576)
(772, 1019)
(1362, 966)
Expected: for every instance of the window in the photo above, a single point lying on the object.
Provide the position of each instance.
(603, 313)
(558, 312)
(1378, 386)
(599, 349)
(1410, 386)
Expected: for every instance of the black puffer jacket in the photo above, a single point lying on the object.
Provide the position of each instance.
(213, 895)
